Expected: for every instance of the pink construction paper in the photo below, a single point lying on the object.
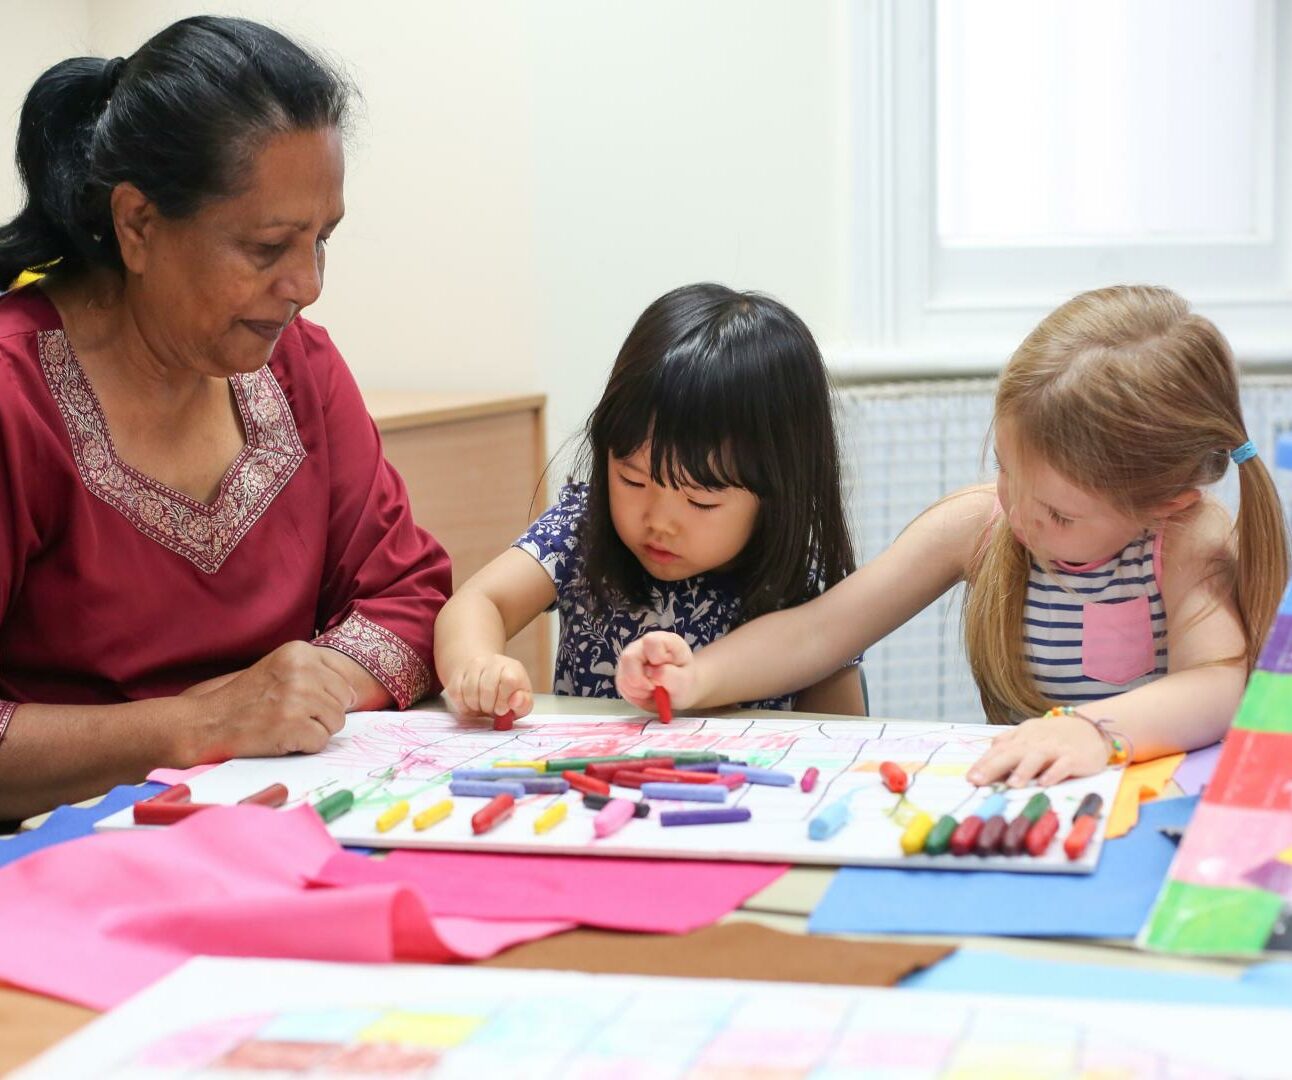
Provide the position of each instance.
(667, 896)
(179, 776)
(1224, 843)
(97, 919)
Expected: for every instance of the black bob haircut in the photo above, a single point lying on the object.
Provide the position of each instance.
(730, 390)
(182, 119)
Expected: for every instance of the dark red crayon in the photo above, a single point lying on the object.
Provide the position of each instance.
(990, 835)
(273, 795)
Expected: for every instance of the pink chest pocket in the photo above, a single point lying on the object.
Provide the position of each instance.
(1117, 641)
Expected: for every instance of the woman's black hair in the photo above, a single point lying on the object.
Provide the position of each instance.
(182, 119)
(730, 390)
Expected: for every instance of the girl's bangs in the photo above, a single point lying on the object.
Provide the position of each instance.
(695, 437)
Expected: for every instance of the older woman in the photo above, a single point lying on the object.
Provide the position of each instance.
(203, 552)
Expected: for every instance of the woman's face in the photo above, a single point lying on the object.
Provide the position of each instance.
(212, 292)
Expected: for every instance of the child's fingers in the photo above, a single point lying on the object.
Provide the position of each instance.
(631, 666)
(1062, 768)
(521, 702)
(1032, 761)
(660, 647)
(992, 766)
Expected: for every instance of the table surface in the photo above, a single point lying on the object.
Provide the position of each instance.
(29, 1023)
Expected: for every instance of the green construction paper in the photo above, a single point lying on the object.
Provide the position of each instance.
(1267, 703)
(1203, 919)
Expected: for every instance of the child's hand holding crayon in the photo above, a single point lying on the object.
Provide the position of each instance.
(659, 659)
(489, 685)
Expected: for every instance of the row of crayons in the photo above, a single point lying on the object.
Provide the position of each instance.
(984, 832)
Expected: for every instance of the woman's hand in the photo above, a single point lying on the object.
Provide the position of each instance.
(1046, 750)
(658, 659)
(490, 685)
(292, 701)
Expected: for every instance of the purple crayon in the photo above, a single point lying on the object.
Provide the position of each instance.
(717, 816)
(486, 789)
(684, 792)
(544, 785)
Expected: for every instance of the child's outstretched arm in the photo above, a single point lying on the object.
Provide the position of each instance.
(803, 645)
(1191, 706)
(495, 604)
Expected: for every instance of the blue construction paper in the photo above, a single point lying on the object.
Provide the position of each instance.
(1113, 901)
(983, 971)
(70, 822)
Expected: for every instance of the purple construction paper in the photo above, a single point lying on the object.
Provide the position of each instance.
(1196, 769)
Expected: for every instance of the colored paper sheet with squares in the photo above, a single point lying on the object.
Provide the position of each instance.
(225, 1018)
(1229, 890)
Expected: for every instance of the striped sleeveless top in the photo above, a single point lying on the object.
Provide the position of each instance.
(1093, 631)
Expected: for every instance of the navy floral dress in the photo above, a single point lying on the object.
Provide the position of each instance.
(699, 609)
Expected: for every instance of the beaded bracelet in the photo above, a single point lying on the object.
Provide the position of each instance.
(1121, 750)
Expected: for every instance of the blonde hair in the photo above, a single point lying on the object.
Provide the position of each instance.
(1134, 398)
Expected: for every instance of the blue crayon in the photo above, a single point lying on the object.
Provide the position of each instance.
(544, 785)
(993, 806)
(757, 776)
(833, 818)
(493, 774)
(486, 789)
(684, 792)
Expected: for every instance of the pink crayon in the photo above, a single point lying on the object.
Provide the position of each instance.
(612, 817)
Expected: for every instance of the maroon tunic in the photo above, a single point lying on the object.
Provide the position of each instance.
(114, 587)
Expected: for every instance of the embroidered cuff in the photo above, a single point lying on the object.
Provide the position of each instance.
(385, 655)
(7, 709)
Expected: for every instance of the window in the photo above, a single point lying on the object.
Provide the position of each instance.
(1009, 153)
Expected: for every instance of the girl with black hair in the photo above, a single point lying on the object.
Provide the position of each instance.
(712, 497)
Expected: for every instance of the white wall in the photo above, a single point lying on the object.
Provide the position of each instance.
(526, 177)
(35, 36)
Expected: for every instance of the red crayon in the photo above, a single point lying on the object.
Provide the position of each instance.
(630, 778)
(152, 812)
(505, 721)
(605, 770)
(273, 795)
(663, 706)
(809, 778)
(966, 835)
(589, 785)
(176, 794)
(1042, 832)
(679, 776)
(895, 778)
(496, 811)
(1079, 838)
(731, 781)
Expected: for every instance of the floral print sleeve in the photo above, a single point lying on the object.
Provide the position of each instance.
(552, 539)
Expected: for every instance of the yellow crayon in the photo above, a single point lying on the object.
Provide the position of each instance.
(393, 816)
(551, 817)
(433, 814)
(917, 832)
(537, 766)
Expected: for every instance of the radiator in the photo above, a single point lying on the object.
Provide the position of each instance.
(904, 445)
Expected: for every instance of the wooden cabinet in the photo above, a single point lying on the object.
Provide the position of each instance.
(473, 464)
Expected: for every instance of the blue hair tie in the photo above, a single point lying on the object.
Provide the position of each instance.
(1243, 453)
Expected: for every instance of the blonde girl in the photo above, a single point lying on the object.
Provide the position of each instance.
(1113, 611)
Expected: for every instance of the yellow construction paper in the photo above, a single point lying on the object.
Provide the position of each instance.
(1139, 782)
